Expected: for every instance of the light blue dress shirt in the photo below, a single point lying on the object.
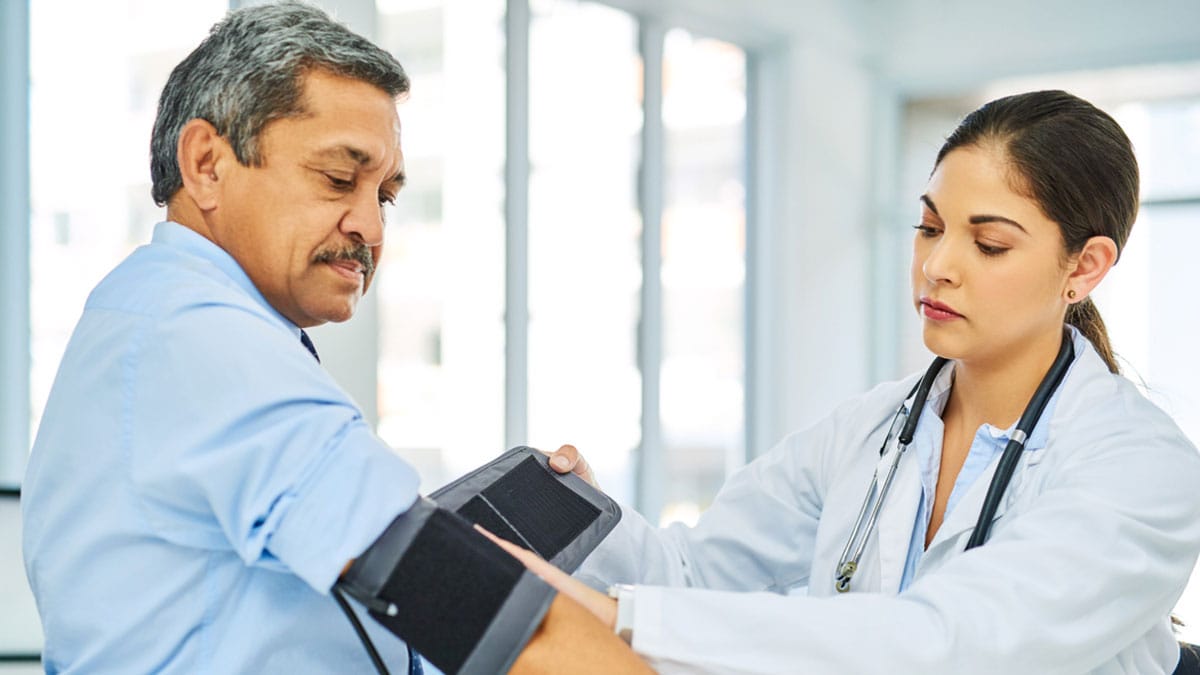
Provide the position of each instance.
(198, 482)
(986, 447)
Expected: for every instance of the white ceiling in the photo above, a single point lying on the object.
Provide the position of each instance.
(932, 47)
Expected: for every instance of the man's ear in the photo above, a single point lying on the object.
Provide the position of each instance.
(1091, 264)
(203, 156)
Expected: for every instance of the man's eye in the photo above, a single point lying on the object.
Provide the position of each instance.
(338, 183)
(927, 231)
(386, 199)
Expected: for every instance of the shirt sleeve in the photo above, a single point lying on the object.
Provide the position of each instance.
(238, 439)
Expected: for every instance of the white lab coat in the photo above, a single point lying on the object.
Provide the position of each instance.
(1093, 544)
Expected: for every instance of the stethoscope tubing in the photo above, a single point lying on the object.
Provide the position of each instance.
(1016, 445)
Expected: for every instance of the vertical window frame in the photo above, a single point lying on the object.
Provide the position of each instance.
(15, 205)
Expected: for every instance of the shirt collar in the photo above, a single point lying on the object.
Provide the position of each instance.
(168, 233)
(939, 394)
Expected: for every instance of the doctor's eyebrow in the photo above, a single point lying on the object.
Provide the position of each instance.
(987, 218)
(930, 205)
(979, 219)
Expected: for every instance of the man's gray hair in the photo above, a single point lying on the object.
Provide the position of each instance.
(249, 71)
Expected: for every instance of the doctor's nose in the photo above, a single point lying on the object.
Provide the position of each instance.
(939, 266)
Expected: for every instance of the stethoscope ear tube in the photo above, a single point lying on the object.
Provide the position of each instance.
(1012, 452)
(910, 424)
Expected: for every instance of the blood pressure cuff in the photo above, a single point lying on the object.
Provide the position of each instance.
(454, 596)
(518, 497)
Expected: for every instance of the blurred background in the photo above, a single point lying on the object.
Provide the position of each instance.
(666, 231)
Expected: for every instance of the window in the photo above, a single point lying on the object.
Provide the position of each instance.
(585, 276)
(441, 278)
(592, 336)
(89, 146)
(703, 270)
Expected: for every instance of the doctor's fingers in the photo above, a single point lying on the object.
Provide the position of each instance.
(599, 604)
(568, 458)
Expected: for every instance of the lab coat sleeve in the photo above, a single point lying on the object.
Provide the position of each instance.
(758, 534)
(1089, 567)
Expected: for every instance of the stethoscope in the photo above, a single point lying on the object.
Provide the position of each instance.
(847, 563)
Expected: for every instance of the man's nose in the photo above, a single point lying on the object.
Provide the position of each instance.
(365, 219)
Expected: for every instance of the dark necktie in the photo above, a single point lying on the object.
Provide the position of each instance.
(414, 659)
(307, 342)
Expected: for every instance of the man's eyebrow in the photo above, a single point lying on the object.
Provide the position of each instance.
(359, 157)
(976, 220)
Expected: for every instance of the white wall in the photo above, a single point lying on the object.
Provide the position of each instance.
(824, 237)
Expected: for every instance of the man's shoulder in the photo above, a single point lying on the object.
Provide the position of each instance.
(156, 281)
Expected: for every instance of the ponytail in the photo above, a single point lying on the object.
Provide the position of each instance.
(1084, 316)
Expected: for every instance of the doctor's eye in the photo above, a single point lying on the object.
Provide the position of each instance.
(990, 250)
(927, 231)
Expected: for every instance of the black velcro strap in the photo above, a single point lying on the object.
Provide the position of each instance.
(547, 513)
(519, 498)
(457, 598)
(480, 512)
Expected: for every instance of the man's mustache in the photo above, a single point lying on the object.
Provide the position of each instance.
(360, 254)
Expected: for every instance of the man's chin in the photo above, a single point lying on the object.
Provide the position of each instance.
(332, 312)
(339, 316)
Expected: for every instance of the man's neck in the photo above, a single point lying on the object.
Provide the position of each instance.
(184, 212)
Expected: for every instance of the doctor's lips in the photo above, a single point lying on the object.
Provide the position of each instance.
(932, 309)
(358, 255)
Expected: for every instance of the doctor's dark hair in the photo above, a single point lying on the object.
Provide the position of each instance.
(250, 71)
(1076, 162)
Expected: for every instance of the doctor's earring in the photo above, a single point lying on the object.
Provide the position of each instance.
(1071, 294)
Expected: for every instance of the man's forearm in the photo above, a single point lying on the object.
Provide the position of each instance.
(571, 640)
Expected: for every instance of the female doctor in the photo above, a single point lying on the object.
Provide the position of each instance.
(1092, 540)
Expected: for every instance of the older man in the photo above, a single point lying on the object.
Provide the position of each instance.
(199, 482)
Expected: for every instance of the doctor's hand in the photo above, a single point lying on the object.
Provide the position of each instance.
(599, 604)
(567, 458)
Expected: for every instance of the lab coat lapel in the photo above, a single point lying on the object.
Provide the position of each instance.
(962, 519)
(896, 519)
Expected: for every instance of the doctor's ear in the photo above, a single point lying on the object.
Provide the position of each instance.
(203, 156)
(1088, 267)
